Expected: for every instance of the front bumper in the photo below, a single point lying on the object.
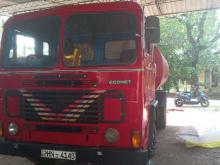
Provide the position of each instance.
(101, 156)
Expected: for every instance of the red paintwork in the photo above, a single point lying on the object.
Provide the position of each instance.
(162, 68)
(138, 94)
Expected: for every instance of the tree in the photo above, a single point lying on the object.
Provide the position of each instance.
(172, 41)
(202, 33)
(189, 42)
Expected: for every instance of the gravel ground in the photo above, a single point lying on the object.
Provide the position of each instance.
(170, 149)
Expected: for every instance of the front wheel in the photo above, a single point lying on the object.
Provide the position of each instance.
(204, 102)
(179, 102)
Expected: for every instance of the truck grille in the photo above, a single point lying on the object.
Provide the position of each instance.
(55, 106)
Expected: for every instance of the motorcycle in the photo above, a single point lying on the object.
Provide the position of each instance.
(191, 99)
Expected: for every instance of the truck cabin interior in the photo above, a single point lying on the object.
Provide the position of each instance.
(32, 43)
(88, 39)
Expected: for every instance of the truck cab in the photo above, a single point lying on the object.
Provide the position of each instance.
(78, 83)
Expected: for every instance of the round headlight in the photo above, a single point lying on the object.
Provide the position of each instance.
(12, 129)
(112, 135)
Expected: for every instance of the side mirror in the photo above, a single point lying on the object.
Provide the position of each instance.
(152, 29)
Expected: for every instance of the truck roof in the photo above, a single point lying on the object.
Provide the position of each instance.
(79, 8)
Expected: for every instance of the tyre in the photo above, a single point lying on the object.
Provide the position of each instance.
(204, 102)
(161, 96)
(39, 161)
(179, 102)
(161, 118)
(152, 134)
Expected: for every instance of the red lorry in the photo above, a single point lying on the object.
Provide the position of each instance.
(79, 83)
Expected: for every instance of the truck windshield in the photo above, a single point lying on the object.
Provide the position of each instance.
(100, 39)
(32, 43)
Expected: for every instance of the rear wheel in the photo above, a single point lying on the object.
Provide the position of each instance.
(179, 102)
(204, 102)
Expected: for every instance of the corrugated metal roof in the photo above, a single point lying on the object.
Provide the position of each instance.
(152, 7)
(163, 7)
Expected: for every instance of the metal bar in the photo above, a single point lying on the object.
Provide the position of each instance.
(45, 4)
(36, 5)
(157, 2)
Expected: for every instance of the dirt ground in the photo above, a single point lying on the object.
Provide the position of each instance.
(170, 148)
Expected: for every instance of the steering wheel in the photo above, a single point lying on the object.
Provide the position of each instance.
(31, 59)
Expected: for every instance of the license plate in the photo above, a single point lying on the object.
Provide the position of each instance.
(54, 154)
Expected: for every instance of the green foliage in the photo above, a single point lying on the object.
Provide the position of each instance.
(189, 42)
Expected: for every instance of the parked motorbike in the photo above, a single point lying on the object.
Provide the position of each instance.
(191, 99)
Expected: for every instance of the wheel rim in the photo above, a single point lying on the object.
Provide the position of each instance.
(205, 102)
(179, 102)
